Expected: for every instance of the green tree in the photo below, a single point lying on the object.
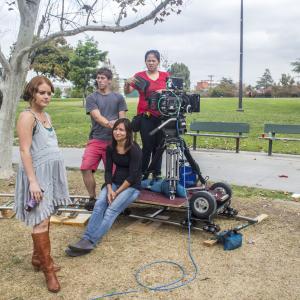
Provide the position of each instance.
(83, 64)
(52, 59)
(296, 65)
(182, 71)
(225, 88)
(266, 81)
(286, 80)
(57, 92)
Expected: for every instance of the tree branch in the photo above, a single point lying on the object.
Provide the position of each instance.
(43, 20)
(62, 15)
(104, 28)
(90, 12)
(120, 16)
(4, 62)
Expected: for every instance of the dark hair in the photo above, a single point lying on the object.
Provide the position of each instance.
(129, 136)
(106, 72)
(31, 87)
(154, 52)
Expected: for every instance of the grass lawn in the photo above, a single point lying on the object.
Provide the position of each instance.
(72, 124)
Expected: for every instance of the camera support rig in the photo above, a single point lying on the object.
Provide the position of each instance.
(176, 149)
(205, 201)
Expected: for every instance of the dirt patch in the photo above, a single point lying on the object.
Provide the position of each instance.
(267, 266)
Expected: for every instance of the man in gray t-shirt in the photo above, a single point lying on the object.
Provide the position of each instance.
(110, 106)
(104, 107)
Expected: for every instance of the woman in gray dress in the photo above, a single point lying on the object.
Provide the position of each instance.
(41, 183)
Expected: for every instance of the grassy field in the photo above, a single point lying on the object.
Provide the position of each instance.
(72, 124)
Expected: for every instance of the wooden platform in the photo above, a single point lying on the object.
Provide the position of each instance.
(149, 197)
(145, 226)
(68, 219)
(7, 214)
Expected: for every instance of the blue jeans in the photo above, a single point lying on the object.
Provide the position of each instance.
(104, 215)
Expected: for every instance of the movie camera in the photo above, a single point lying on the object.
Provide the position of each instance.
(174, 100)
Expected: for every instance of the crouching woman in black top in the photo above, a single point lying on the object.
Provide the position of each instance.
(120, 190)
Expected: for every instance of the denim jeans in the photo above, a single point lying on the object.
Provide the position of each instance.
(104, 215)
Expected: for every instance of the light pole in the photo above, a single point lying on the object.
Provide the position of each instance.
(240, 107)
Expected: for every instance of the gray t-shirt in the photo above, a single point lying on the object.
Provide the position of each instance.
(109, 106)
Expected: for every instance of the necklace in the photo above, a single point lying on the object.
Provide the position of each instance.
(40, 116)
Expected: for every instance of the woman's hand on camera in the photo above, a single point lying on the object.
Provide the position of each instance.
(160, 91)
(35, 191)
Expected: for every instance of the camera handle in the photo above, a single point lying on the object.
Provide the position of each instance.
(162, 125)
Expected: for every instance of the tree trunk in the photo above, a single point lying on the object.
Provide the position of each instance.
(11, 89)
(84, 97)
(12, 82)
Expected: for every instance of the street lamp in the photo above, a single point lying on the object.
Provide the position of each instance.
(240, 108)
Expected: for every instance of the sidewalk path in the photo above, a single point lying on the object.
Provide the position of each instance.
(279, 172)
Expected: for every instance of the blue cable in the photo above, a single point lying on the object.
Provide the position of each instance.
(173, 284)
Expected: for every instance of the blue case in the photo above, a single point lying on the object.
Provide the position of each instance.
(187, 177)
(230, 239)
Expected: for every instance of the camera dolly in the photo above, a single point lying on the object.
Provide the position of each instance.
(204, 201)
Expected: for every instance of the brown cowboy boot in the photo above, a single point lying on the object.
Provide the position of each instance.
(35, 261)
(41, 243)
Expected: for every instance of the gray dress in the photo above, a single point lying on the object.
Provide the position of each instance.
(51, 175)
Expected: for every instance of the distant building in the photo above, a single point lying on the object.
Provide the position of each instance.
(204, 85)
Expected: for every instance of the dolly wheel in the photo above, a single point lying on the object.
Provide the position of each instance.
(222, 192)
(203, 205)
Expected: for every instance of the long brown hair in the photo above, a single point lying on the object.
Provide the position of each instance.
(129, 135)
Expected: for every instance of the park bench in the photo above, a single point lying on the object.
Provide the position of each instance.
(218, 129)
(270, 130)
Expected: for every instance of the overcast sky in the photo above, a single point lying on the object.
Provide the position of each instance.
(205, 37)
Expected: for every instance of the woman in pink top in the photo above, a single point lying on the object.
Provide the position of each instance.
(154, 81)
